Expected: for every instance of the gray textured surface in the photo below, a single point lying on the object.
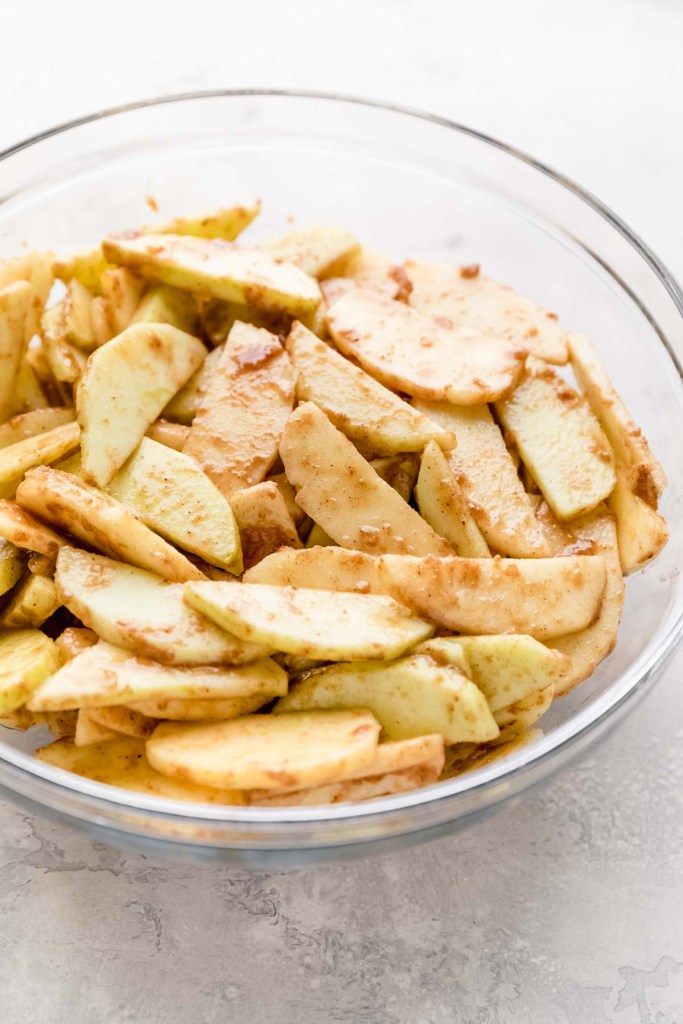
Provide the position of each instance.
(566, 908)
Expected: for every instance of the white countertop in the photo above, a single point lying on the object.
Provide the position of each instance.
(565, 907)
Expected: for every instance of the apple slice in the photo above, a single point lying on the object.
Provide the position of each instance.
(467, 298)
(443, 505)
(642, 532)
(16, 459)
(124, 388)
(237, 429)
(560, 441)
(171, 495)
(227, 223)
(267, 751)
(341, 492)
(15, 305)
(264, 521)
(101, 522)
(374, 418)
(312, 623)
(27, 657)
(423, 355)
(25, 531)
(138, 610)
(104, 675)
(213, 268)
(318, 251)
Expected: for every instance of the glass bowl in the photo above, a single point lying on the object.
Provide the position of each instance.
(411, 185)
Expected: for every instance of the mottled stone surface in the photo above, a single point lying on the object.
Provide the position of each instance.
(566, 908)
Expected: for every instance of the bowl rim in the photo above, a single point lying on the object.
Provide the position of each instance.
(480, 780)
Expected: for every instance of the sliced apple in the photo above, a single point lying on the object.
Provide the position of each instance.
(11, 565)
(525, 712)
(163, 305)
(27, 657)
(227, 222)
(587, 648)
(200, 709)
(443, 505)
(36, 268)
(184, 405)
(89, 731)
(642, 532)
(15, 305)
(101, 522)
(410, 697)
(267, 751)
(122, 762)
(235, 435)
(398, 767)
(318, 251)
(644, 473)
(85, 266)
(506, 668)
(341, 492)
(173, 435)
(213, 268)
(423, 355)
(464, 296)
(126, 385)
(25, 531)
(31, 603)
(487, 477)
(139, 610)
(16, 459)
(121, 292)
(33, 423)
(264, 521)
(374, 418)
(73, 640)
(560, 440)
(171, 495)
(103, 675)
(313, 623)
(322, 568)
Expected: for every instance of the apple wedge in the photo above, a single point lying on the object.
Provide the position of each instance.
(73, 640)
(31, 603)
(31, 424)
(374, 418)
(642, 532)
(65, 361)
(410, 697)
(318, 251)
(423, 355)
(320, 568)
(138, 610)
(163, 305)
(264, 521)
(227, 222)
(506, 668)
(101, 522)
(525, 712)
(312, 623)
(121, 292)
(126, 385)
(77, 317)
(398, 767)
(213, 268)
(644, 473)
(267, 751)
(27, 657)
(15, 305)
(85, 266)
(488, 479)
(172, 496)
(104, 675)
(16, 459)
(237, 429)
(25, 531)
(88, 731)
(173, 435)
(443, 505)
(11, 565)
(544, 597)
(200, 709)
(121, 720)
(184, 406)
(464, 296)
(341, 492)
(560, 440)
(122, 762)
(36, 269)
(587, 648)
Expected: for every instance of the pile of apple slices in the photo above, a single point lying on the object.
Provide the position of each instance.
(284, 523)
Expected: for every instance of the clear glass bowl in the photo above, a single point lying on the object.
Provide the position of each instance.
(412, 185)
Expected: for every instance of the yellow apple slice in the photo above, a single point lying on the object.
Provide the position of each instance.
(443, 505)
(318, 251)
(27, 657)
(264, 521)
